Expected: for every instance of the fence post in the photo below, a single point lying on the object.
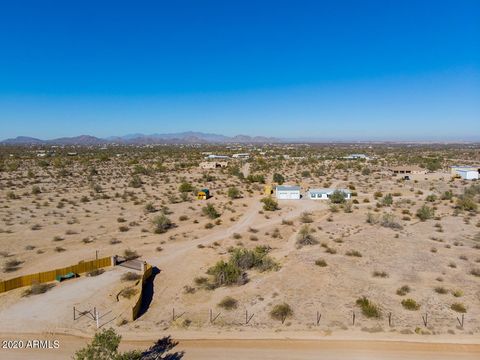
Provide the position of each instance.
(353, 318)
(319, 316)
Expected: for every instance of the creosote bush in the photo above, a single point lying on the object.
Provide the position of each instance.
(369, 309)
(228, 303)
(269, 204)
(281, 312)
(410, 304)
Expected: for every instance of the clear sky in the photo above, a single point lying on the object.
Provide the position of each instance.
(320, 69)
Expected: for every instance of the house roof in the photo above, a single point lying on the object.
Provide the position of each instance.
(327, 191)
(288, 188)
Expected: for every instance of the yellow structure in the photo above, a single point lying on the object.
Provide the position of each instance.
(268, 190)
(138, 303)
(203, 194)
(47, 276)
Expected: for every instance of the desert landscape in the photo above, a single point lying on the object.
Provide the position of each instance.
(398, 260)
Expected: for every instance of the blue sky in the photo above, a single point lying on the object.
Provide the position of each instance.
(392, 70)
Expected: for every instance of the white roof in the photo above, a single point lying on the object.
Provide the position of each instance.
(327, 190)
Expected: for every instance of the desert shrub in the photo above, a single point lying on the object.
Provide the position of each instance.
(321, 263)
(12, 265)
(36, 190)
(129, 254)
(389, 221)
(269, 204)
(410, 304)
(185, 187)
(466, 203)
(381, 274)
(404, 290)
(161, 224)
(278, 178)
(306, 217)
(337, 197)
(38, 288)
(257, 258)
(369, 309)
(387, 200)
(128, 292)
(228, 303)
(210, 211)
(441, 290)
(425, 213)
(233, 193)
(258, 178)
(135, 182)
(457, 293)
(475, 272)
(354, 253)
(447, 195)
(372, 218)
(225, 273)
(149, 208)
(123, 228)
(431, 198)
(458, 307)
(95, 272)
(131, 276)
(305, 236)
(281, 312)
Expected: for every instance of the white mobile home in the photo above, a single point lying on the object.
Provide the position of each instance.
(324, 194)
(286, 192)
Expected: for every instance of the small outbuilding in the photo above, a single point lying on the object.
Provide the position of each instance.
(287, 192)
(325, 193)
(203, 194)
(468, 174)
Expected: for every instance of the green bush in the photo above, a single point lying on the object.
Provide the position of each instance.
(337, 197)
(228, 303)
(278, 178)
(269, 204)
(458, 307)
(410, 304)
(369, 309)
(425, 213)
(281, 312)
(161, 224)
(210, 211)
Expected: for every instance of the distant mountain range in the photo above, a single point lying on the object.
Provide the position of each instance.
(189, 137)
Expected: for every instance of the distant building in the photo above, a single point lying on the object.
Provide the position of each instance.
(407, 170)
(213, 164)
(324, 194)
(287, 192)
(465, 172)
(356, 157)
(213, 156)
(241, 156)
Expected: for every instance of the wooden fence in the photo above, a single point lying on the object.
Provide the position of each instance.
(47, 276)
(138, 304)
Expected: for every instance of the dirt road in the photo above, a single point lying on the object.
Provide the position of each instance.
(270, 349)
